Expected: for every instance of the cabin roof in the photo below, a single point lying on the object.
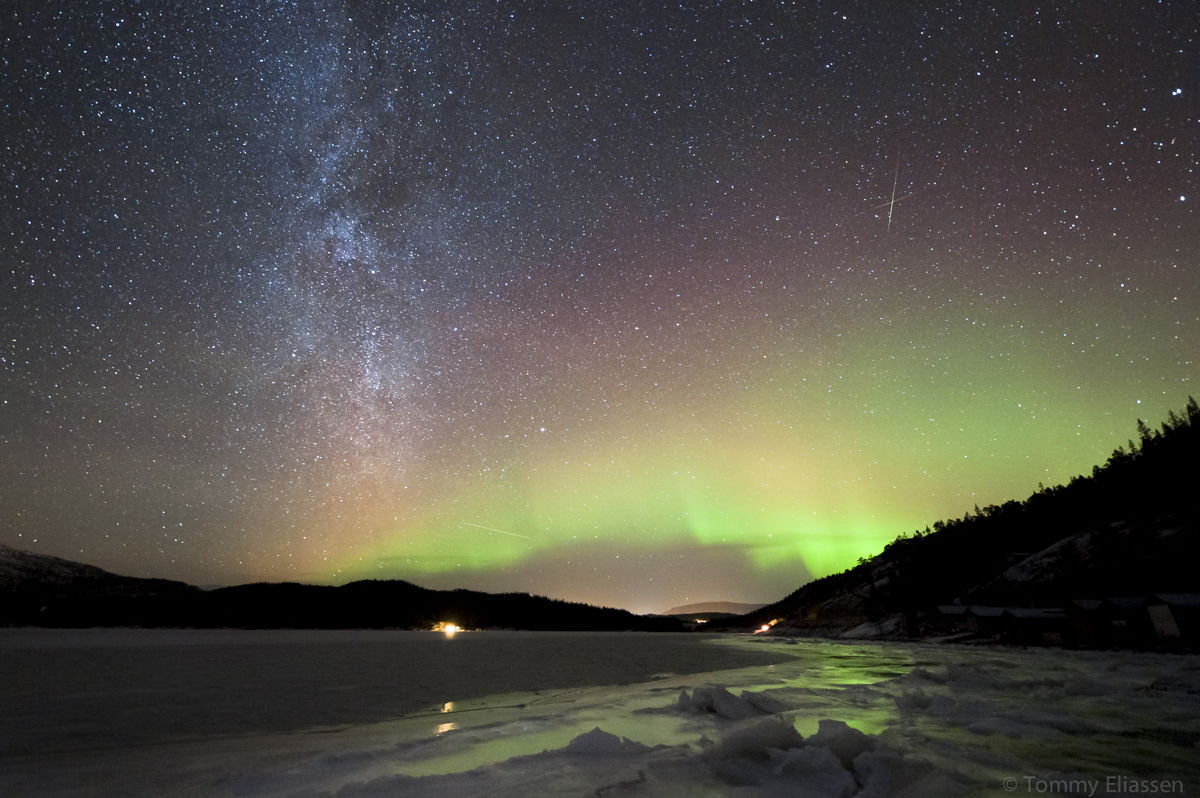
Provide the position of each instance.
(1180, 599)
(1036, 613)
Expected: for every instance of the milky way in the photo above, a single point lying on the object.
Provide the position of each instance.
(617, 302)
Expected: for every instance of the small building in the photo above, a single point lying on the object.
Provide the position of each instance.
(984, 620)
(1127, 621)
(1134, 621)
(1036, 626)
(1162, 621)
(1182, 609)
(1120, 621)
(1085, 625)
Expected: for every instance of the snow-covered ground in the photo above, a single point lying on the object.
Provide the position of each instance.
(527, 714)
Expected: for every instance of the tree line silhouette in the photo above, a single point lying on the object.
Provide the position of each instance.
(99, 598)
(1140, 510)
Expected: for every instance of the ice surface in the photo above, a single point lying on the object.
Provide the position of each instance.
(106, 687)
(354, 714)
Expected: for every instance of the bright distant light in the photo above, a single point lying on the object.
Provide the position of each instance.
(766, 627)
(447, 628)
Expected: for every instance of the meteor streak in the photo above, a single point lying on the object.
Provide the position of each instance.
(493, 529)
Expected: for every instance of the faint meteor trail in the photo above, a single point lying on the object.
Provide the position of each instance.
(493, 529)
(891, 204)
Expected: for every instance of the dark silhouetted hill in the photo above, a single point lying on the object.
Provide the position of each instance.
(1130, 528)
(24, 570)
(399, 604)
(36, 590)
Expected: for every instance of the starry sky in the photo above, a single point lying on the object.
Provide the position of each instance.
(633, 303)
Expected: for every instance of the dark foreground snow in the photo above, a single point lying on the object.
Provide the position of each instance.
(523, 714)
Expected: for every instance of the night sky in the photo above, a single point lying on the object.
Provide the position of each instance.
(629, 303)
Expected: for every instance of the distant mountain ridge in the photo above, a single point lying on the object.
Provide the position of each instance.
(728, 607)
(39, 590)
(1130, 529)
(24, 571)
(19, 568)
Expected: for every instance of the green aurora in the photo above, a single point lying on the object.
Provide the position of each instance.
(801, 470)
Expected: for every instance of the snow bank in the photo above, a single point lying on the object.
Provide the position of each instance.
(761, 757)
(755, 741)
(718, 701)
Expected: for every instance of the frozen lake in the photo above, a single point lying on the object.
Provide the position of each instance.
(74, 689)
(133, 712)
